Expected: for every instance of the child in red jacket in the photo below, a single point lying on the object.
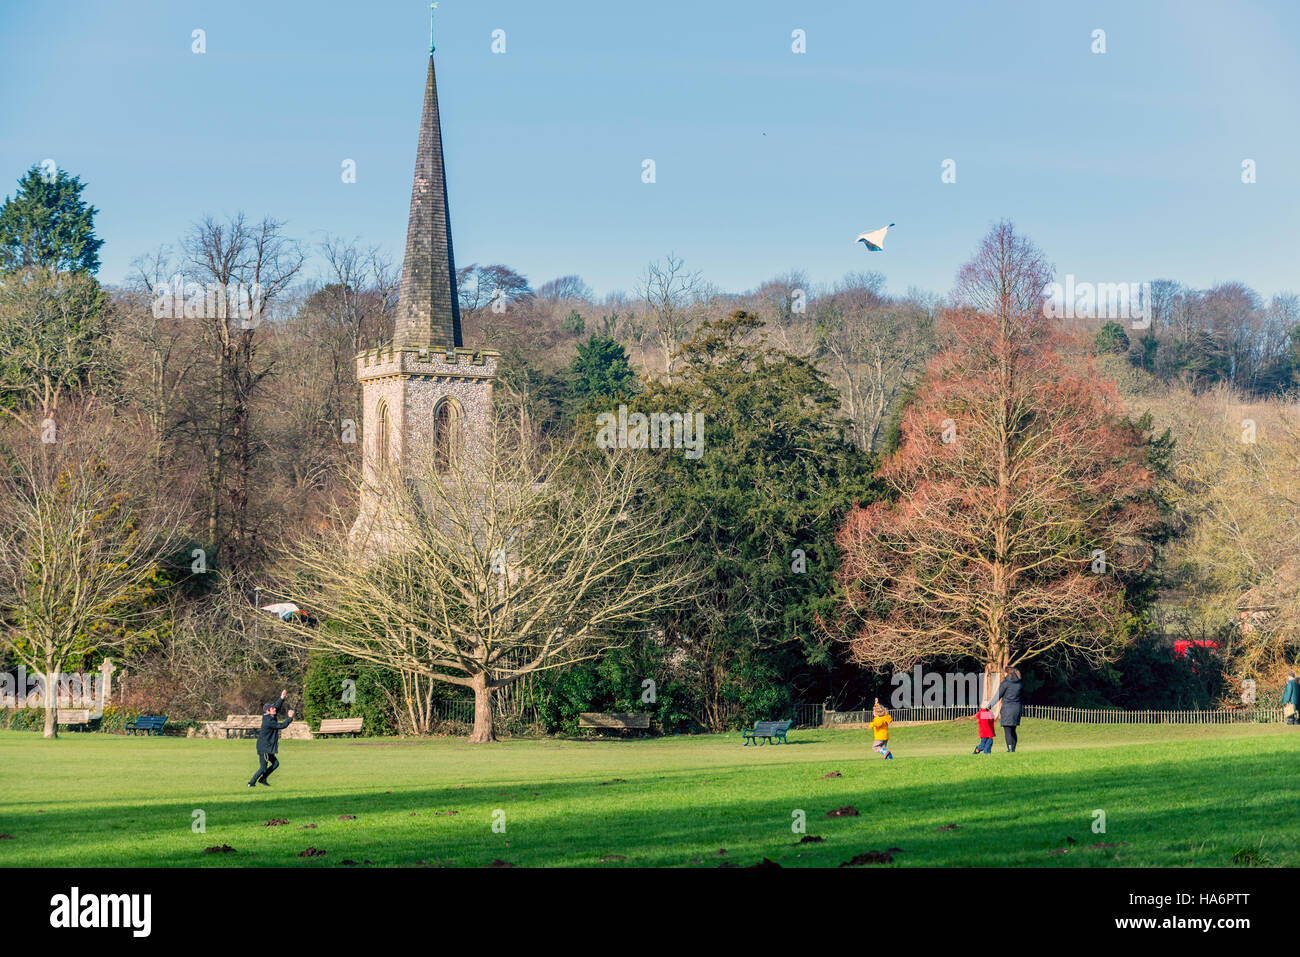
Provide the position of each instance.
(985, 719)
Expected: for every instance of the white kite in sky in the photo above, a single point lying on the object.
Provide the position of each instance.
(875, 239)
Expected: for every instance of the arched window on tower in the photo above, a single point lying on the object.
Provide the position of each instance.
(382, 433)
(447, 437)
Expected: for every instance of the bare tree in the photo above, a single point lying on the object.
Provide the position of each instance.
(872, 348)
(488, 296)
(564, 288)
(159, 354)
(359, 294)
(1015, 471)
(53, 331)
(675, 298)
(515, 560)
(81, 539)
(259, 259)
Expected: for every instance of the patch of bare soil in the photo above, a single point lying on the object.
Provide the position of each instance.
(870, 857)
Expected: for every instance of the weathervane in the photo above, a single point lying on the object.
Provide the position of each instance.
(431, 8)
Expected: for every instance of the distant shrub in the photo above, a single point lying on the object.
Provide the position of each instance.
(376, 691)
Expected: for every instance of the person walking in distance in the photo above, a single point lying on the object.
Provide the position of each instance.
(1009, 714)
(268, 741)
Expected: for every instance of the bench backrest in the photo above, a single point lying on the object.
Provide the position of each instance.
(72, 716)
(156, 721)
(330, 725)
(771, 727)
(244, 721)
(614, 720)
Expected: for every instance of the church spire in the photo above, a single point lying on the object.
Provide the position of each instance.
(428, 314)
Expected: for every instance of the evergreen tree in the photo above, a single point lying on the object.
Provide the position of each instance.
(1112, 339)
(777, 474)
(48, 224)
(598, 372)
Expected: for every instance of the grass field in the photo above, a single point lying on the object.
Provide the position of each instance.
(1174, 795)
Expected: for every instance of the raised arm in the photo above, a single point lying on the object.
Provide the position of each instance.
(287, 721)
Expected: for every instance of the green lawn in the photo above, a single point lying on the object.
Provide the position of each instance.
(1172, 795)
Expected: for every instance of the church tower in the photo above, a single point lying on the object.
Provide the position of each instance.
(424, 393)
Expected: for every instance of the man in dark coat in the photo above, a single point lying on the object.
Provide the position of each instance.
(1291, 697)
(268, 741)
(1009, 716)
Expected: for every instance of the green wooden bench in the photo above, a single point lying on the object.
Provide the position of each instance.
(769, 732)
(147, 725)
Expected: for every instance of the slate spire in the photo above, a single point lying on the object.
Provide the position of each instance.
(428, 313)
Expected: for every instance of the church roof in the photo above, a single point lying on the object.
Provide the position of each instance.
(428, 313)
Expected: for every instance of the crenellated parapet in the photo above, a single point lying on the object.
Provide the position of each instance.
(437, 362)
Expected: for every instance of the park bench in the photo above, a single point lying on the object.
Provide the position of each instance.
(73, 716)
(146, 725)
(767, 731)
(242, 724)
(613, 721)
(340, 726)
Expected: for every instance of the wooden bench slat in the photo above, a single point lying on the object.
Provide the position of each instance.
(241, 722)
(340, 725)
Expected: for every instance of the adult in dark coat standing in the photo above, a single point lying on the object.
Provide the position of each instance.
(268, 741)
(1291, 698)
(1009, 716)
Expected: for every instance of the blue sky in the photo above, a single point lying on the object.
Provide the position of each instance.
(1123, 166)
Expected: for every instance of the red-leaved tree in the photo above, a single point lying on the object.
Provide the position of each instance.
(1018, 499)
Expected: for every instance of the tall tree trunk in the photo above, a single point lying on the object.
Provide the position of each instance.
(483, 732)
(51, 699)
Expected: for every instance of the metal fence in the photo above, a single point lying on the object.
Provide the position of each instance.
(1118, 716)
(454, 709)
(818, 716)
(1071, 715)
(832, 718)
(808, 715)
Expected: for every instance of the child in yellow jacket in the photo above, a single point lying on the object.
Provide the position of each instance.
(880, 728)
